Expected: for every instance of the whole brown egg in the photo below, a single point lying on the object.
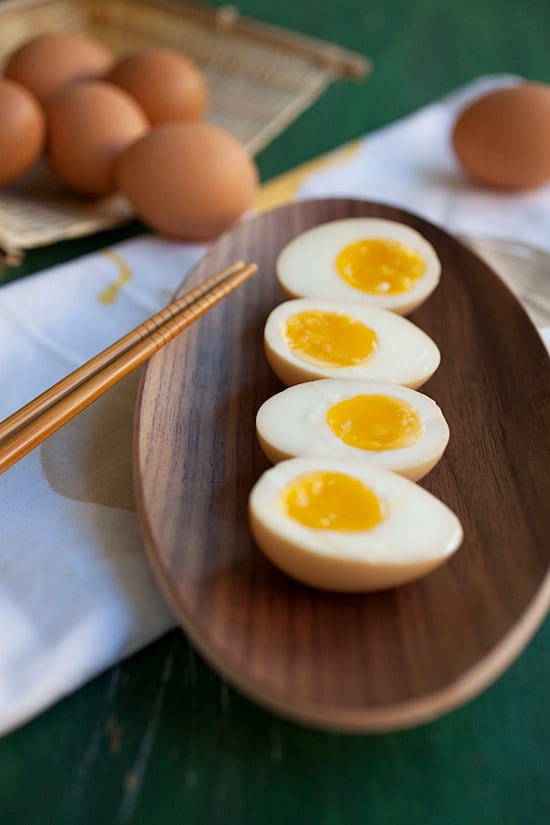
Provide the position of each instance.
(166, 84)
(89, 125)
(22, 131)
(49, 61)
(188, 180)
(502, 139)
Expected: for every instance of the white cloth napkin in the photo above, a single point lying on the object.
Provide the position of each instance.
(76, 591)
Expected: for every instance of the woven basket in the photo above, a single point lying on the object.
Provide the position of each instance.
(260, 78)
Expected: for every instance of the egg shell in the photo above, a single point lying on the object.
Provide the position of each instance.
(502, 139)
(89, 125)
(306, 266)
(167, 85)
(404, 354)
(417, 536)
(22, 131)
(293, 423)
(188, 181)
(49, 61)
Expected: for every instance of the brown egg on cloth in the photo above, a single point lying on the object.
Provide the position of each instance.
(22, 131)
(166, 84)
(49, 61)
(502, 139)
(89, 125)
(189, 181)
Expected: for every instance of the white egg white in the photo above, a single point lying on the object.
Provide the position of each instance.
(404, 353)
(293, 423)
(306, 265)
(418, 533)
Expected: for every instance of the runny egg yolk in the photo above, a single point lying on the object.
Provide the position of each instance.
(375, 422)
(332, 501)
(329, 338)
(380, 266)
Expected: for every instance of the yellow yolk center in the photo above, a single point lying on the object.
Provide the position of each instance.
(329, 338)
(332, 501)
(380, 266)
(375, 422)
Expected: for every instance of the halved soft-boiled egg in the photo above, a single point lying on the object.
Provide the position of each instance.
(309, 338)
(341, 525)
(371, 260)
(387, 425)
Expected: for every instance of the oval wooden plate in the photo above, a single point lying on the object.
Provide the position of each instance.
(362, 662)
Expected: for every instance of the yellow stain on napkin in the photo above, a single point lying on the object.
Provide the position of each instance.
(110, 293)
(98, 467)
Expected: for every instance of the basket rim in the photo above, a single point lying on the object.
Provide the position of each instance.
(335, 59)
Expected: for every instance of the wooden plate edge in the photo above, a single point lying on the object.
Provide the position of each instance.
(382, 719)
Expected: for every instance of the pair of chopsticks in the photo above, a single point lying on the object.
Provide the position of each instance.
(29, 426)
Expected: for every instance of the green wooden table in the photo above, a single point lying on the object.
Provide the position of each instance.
(161, 739)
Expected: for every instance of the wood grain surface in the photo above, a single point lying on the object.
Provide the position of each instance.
(379, 661)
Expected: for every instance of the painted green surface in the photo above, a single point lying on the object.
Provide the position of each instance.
(160, 739)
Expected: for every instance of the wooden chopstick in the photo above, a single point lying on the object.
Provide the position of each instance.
(29, 426)
(34, 408)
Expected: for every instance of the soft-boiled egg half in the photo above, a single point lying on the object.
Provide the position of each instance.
(347, 526)
(383, 424)
(309, 338)
(371, 260)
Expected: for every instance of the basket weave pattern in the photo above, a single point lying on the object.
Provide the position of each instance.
(256, 88)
